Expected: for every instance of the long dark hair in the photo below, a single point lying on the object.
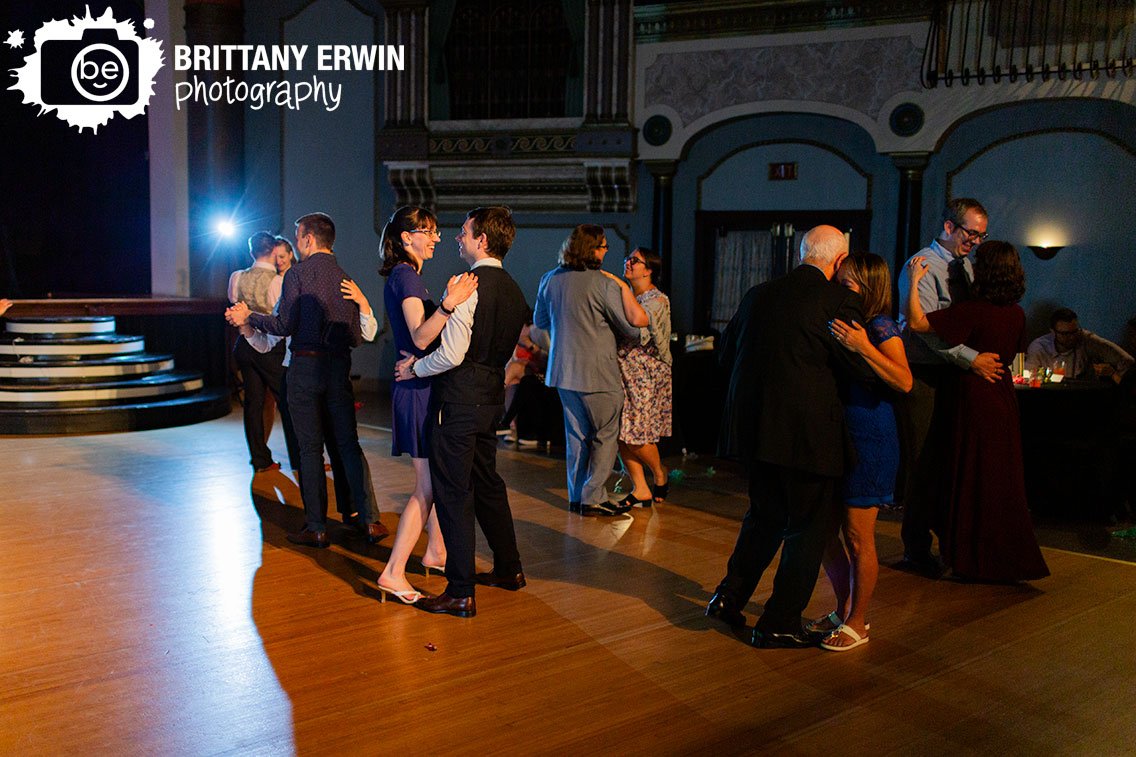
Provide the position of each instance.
(998, 274)
(406, 218)
(579, 250)
(871, 273)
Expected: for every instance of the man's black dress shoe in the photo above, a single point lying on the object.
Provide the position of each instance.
(926, 565)
(722, 607)
(462, 607)
(515, 582)
(770, 640)
(308, 538)
(604, 509)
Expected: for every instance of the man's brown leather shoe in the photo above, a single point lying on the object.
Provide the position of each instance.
(463, 607)
(375, 532)
(308, 538)
(514, 582)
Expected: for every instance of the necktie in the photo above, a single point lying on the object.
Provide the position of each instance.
(958, 285)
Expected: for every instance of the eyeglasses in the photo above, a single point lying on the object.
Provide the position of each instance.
(432, 232)
(972, 234)
(632, 260)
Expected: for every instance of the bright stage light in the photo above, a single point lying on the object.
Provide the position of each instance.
(226, 228)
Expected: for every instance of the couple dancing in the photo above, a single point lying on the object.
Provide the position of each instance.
(785, 419)
(447, 401)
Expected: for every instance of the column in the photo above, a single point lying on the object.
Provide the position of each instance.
(216, 136)
(908, 234)
(662, 214)
(404, 136)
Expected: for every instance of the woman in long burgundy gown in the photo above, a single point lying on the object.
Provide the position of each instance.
(988, 534)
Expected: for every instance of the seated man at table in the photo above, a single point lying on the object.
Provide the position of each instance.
(1085, 354)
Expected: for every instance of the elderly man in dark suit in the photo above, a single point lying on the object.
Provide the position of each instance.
(784, 419)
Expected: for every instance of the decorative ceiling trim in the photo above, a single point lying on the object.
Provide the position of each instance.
(737, 18)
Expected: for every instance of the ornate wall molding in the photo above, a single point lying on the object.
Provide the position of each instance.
(860, 74)
(731, 18)
(547, 164)
(501, 144)
(565, 184)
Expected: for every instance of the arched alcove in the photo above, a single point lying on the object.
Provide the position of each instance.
(1056, 172)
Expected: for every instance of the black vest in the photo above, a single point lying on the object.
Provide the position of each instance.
(497, 322)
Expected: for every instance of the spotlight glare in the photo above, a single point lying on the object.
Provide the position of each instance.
(226, 228)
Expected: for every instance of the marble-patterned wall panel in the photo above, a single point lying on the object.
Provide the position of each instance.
(861, 74)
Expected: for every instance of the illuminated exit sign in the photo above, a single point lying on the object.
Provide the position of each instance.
(782, 171)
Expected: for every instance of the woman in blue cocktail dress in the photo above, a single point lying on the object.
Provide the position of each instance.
(408, 242)
(851, 564)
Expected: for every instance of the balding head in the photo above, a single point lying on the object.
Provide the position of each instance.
(824, 247)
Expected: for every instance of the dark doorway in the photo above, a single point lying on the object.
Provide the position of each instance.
(756, 246)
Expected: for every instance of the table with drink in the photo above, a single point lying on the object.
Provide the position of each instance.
(1069, 429)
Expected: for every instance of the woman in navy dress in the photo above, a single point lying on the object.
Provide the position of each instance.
(852, 566)
(408, 242)
(988, 535)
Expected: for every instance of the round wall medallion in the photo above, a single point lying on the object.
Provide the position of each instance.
(657, 130)
(906, 120)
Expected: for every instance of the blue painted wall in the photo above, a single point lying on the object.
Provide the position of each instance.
(835, 173)
(824, 180)
(1062, 171)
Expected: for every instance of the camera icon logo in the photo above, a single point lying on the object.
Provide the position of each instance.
(99, 68)
(88, 70)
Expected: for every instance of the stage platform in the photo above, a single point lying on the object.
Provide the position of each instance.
(152, 605)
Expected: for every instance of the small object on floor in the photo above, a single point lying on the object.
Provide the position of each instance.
(406, 597)
(857, 639)
(431, 647)
(308, 538)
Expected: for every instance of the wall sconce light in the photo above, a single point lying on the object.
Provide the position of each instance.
(1046, 253)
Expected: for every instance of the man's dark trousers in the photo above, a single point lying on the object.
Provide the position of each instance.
(319, 393)
(463, 455)
(261, 373)
(791, 505)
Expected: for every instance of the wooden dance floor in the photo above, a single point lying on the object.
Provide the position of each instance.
(151, 605)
